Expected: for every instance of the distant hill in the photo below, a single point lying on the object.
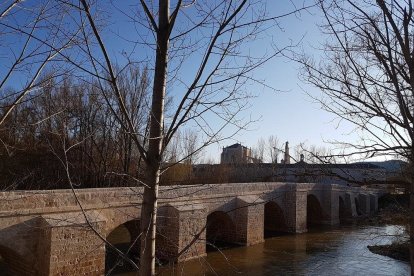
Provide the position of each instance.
(390, 165)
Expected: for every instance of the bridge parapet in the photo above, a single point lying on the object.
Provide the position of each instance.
(50, 233)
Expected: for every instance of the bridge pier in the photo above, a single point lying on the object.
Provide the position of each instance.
(364, 203)
(373, 203)
(45, 232)
(181, 232)
(69, 247)
(295, 210)
(18, 245)
(323, 205)
(349, 207)
(330, 206)
(239, 221)
(249, 220)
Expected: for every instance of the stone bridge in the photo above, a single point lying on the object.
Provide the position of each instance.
(63, 232)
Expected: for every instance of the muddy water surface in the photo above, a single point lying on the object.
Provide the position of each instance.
(322, 251)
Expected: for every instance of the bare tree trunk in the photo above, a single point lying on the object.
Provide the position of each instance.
(411, 231)
(411, 208)
(149, 205)
(148, 223)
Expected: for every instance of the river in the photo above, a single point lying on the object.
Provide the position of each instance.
(340, 250)
(335, 251)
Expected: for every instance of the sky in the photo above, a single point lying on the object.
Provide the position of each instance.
(289, 114)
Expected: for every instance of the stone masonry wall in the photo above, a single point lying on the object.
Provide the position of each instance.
(249, 220)
(295, 211)
(66, 246)
(181, 232)
(70, 248)
(364, 203)
(168, 228)
(192, 233)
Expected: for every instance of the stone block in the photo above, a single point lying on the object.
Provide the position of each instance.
(181, 232)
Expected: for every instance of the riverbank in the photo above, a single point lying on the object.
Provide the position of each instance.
(397, 251)
(393, 210)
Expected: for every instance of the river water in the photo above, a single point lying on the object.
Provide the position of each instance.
(335, 251)
(340, 250)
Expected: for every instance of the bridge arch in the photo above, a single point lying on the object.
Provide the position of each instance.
(50, 218)
(314, 211)
(372, 203)
(4, 267)
(119, 216)
(220, 230)
(357, 207)
(346, 206)
(342, 208)
(125, 238)
(12, 263)
(274, 219)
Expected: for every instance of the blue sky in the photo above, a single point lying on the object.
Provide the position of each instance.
(290, 114)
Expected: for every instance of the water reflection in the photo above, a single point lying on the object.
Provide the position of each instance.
(335, 251)
(322, 251)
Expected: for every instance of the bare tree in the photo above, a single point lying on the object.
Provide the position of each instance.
(259, 149)
(214, 37)
(314, 154)
(267, 150)
(297, 152)
(190, 145)
(367, 75)
(172, 152)
(76, 110)
(273, 148)
(209, 34)
(34, 38)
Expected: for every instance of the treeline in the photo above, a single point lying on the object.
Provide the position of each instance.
(272, 150)
(69, 130)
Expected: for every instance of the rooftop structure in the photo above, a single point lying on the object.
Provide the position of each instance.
(237, 154)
